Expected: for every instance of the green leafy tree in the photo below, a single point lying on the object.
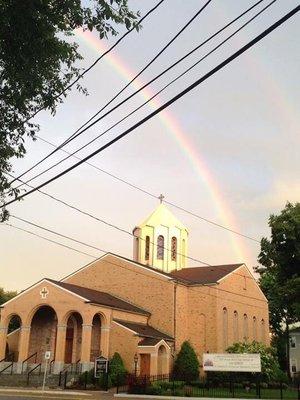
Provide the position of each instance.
(279, 271)
(38, 59)
(186, 366)
(269, 362)
(4, 297)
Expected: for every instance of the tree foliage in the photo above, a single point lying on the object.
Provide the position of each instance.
(6, 295)
(269, 362)
(117, 370)
(186, 366)
(279, 271)
(38, 60)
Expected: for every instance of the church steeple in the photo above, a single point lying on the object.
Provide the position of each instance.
(161, 240)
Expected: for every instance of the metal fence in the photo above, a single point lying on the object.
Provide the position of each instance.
(226, 388)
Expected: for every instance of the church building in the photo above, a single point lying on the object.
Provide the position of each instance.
(143, 308)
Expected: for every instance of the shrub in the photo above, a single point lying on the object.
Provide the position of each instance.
(186, 366)
(117, 370)
(269, 363)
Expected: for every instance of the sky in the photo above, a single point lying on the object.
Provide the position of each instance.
(228, 151)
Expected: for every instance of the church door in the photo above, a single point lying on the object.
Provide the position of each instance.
(69, 345)
(145, 365)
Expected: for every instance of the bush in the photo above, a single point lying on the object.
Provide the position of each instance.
(186, 365)
(269, 362)
(117, 370)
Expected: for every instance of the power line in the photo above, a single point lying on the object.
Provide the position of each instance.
(168, 103)
(154, 196)
(115, 227)
(101, 250)
(100, 57)
(129, 83)
(150, 99)
(48, 240)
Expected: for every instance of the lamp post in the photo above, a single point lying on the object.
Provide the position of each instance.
(135, 359)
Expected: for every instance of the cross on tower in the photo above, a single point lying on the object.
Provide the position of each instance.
(161, 198)
(44, 293)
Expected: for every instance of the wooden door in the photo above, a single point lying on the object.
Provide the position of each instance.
(145, 365)
(69, 345)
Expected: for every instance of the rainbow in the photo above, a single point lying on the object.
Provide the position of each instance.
(169, 121)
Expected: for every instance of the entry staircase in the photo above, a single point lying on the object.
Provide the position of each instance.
(31, 374)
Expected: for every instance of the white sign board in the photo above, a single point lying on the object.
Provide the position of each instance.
(231, 362)
(47, 355)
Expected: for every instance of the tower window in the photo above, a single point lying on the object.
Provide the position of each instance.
(174, 249)
(160, 247)
(147, 248)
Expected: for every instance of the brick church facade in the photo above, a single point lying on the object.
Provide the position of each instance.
(142, 308)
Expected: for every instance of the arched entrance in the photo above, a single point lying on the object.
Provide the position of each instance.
(96, 337)
(13, 338)
(73, 338)
(162, 360)
(43, 333)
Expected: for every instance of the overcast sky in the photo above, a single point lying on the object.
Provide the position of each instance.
(242, 126)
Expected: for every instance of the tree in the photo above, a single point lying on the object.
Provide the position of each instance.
(186, 366)
(279, 271)
(269, 362)
(5, 296)
(38, 60)
(117, 370)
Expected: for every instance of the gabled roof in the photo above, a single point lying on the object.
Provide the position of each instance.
(204, 275)
(143, 330)
(101, 298)
(162, 216)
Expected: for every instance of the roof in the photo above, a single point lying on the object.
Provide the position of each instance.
(101, 298)
(149, 342)
(202, 275)
(143, 330)
(162, 216)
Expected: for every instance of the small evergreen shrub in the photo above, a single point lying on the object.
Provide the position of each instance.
(117, 370)
(186, 366)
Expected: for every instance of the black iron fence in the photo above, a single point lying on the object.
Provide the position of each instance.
(204, 387)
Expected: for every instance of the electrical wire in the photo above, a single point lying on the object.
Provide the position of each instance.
(147, 101)
(99, 58)
(168, 103)
(132, 80)
(101, 250)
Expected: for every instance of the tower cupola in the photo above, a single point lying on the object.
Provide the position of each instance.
(161, 241)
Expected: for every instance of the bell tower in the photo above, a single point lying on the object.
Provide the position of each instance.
(161, 240)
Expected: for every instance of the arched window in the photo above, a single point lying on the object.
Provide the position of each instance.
(174, 249)
(160, 247)
(147, 248)
(235, 327)
(254, 329)
(263, 331)
(225, 328)
(246, 333)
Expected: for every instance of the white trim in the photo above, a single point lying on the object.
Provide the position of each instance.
(24, 291)
(38, 283)
(120, 258)
(155, 345)
(16, 330)
(252, 276)
(125, 327)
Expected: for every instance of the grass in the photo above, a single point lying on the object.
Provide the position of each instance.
(189, 391)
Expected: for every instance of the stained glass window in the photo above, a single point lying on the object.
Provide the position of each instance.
(147, 248)
(160, 247)
(174, 249)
